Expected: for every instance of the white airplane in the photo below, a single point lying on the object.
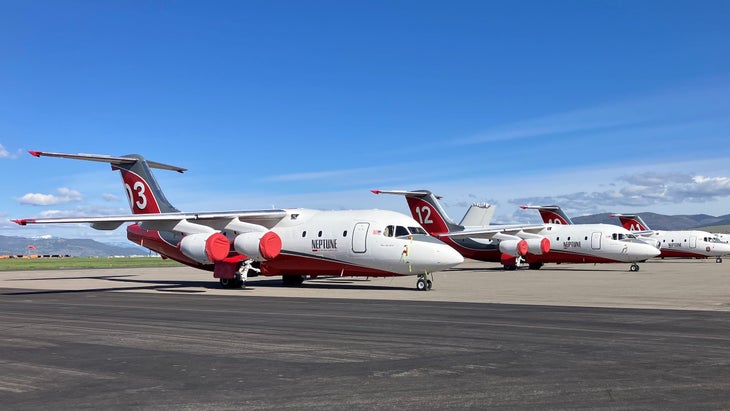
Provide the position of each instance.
(474, 238)
(293, 243)
(592, 243)
(552, 242)
(678, 244)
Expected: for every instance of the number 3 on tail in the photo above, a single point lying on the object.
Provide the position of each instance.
(424, 215)
(139, 189)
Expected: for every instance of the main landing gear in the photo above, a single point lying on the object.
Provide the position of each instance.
(423, 283)
(634, 267)
(718, 259)
(236, 282)
(240, 278)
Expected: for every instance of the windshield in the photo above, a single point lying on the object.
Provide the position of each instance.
(417, 230)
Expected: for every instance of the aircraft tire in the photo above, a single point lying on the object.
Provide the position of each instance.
(634, 267)
(421, 285)
(718, 260)
(429, 284)
(535, 266)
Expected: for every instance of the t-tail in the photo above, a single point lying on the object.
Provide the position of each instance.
(550, 214)
(632, 222)
(425, 208)
(143, 192)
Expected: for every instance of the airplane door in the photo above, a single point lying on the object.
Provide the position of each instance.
(596, 241)
(692, 242)
(359, 237)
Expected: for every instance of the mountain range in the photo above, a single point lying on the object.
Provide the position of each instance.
(655, 221)
(73, 247)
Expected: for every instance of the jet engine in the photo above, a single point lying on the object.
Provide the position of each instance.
(513, 248)
(258, 245)
(511, 245)
(538, 246)
(205, 248)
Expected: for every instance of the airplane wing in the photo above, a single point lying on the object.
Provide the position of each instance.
(491, 231)
(186, 223)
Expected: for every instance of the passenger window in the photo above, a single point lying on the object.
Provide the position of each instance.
(304, 234)
(319, 234)
(344, 233)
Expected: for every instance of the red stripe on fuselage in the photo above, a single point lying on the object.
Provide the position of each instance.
(152, 240)
(481, 254)
(563, 257)
(681, 254)
(288, 264)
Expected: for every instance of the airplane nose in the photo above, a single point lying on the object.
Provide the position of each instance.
(450, 257)
(647, 251)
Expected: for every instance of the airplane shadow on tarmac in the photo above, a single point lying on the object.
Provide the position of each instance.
(187, 286)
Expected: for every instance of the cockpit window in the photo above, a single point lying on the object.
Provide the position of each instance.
(417, 230)
(401, 231)
(388, 232)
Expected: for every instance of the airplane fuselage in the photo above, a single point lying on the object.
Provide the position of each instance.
(345, 243)
(689, 244)
(592, 243)
(583, 243)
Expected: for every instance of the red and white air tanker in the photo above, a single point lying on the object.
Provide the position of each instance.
(544, 243)
(474, 237)
(589, 243)
(678, 244)
(292, 243)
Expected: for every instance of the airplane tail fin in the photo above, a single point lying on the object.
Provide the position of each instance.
(144, 194)
(550, 214)
(632, 222)
(478, 215)
(426, 209)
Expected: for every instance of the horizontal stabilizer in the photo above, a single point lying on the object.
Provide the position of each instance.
(106, 159)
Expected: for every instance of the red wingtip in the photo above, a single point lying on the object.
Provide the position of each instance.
(35, 153)
(21, 222)
(375, 191)
(524, 207)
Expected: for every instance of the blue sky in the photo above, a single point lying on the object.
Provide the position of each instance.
(599, 106)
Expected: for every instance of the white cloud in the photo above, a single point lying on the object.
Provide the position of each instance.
(5, 154)
(110, 197)
(65, 195)
(640, 190)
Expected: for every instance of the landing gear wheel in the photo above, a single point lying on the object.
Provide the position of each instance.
(429, 284)
(235, 282)
(421, 284)
(718, 260)
(535, 266)
(634, 267)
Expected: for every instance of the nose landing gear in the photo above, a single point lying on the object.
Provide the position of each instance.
(423, 283)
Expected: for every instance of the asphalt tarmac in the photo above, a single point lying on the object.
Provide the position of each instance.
(566, 337)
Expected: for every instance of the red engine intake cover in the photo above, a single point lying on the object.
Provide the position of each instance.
(544, 245)
(522, 247)
(270, 245)
(217, 247)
